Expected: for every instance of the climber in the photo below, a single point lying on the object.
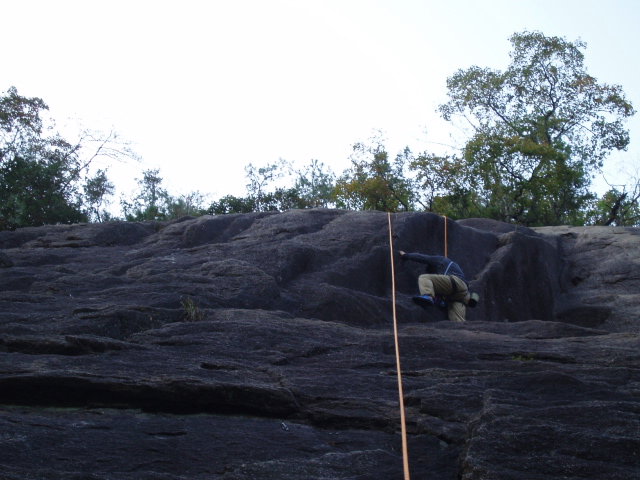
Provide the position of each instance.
(444, 278)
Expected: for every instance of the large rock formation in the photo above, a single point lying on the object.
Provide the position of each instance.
(261, 346)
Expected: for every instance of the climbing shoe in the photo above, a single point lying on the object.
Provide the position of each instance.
(423, 300)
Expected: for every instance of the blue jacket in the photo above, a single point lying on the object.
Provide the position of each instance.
(437, 264)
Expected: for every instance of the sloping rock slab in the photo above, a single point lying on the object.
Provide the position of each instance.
(261, 346)
(251, 394)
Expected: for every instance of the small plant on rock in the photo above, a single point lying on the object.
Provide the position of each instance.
(191, 311)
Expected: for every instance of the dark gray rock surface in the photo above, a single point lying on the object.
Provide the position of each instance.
(261, 346)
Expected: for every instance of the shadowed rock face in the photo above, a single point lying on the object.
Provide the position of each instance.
(261, 346)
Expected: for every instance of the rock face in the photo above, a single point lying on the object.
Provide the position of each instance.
(260, 346)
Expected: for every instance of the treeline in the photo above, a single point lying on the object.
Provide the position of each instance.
(537, 134)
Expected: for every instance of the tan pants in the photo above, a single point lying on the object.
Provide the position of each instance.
(440, 285)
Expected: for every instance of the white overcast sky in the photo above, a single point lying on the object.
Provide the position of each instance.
(202, 88)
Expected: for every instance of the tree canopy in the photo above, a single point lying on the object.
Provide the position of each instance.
(38, 173)
(374, 182)
(42, 173)
(539, 129)
(537, 133)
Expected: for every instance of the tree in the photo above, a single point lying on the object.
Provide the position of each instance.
(283, 199)
(314, 185)
(445, 185)
(261, 177)
(96, 191)
(38, 174)
(375, 183)
(41, 174)
(191, 204)
(151, 202)
(539, 130)
(231, 204)
(154, 202)
(618, 206)
(34, 193)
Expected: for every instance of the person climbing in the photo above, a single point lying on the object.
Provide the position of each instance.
(444, 278)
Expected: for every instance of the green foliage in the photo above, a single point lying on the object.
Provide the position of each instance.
(540, 129)
(282, 199)
(231, 204)
(617, 208)
(445, 185)
(191, 204)
(34, 193)
(375, 183)
(38, 173)
(151, 202)
(314, 186)
(43, 177)
(523, 357)
(526, 182)
(20, 120)
(96, 191)
(191, 311)
(259, 179)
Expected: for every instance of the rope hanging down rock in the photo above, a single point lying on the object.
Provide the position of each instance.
(405, 451)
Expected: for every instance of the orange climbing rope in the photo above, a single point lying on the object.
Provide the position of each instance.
(405, 451)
